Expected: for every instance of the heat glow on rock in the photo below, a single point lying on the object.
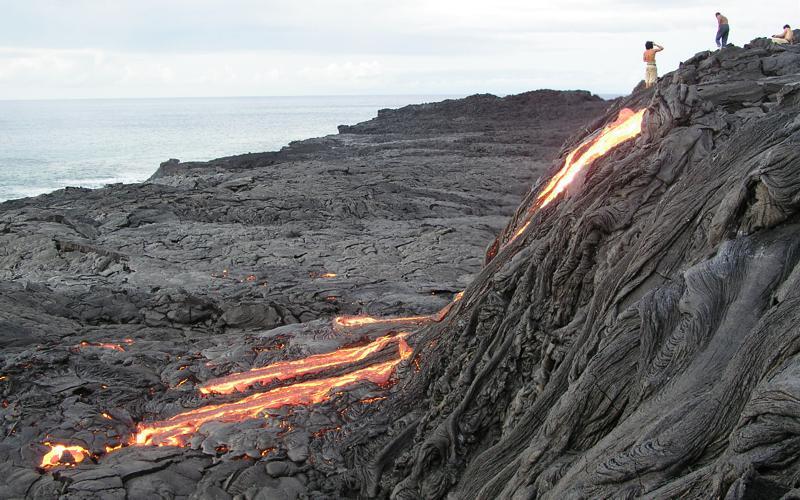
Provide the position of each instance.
(55, 457)
(177, 430)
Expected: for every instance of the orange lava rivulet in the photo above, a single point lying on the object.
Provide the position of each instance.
(101, 345)
(177, 430)
(627, 126)
(286, 370)
(356, 321)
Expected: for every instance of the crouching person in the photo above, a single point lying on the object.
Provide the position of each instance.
(786, 37)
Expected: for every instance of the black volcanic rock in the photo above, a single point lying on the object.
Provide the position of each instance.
(212, 268)
(640, 338)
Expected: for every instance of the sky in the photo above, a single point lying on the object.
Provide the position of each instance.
(52, 49)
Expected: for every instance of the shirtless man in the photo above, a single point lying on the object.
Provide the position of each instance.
(723, 29)
(649, 57)
(786, 37)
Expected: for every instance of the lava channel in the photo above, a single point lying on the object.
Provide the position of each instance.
(286, 370)
(101, 345)
(355, 321)
(176, 430)
(627, 126)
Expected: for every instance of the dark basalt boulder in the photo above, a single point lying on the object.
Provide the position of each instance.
(640, 338)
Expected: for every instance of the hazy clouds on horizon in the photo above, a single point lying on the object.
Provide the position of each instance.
(149, 48)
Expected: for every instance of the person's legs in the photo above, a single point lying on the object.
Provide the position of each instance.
(780, 41)
(725, 32)
(650, 75)
(718, 38)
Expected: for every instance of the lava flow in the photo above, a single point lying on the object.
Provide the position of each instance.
(101, 345)
(354, 321)
(285, 370)
(54, 457)
(627, 126)
(176, 430)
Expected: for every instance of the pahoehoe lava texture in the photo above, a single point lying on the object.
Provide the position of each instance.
(637, 339)
(641, 337)
(117, 304)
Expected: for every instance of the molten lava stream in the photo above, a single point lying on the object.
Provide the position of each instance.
(175, 431)
(627, 126)
(102, 345)
(354, 321)
(351, 321)
(286, 370)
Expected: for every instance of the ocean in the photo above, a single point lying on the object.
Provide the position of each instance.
(50, 144)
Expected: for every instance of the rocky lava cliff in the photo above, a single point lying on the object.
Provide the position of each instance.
(634, 336)
(640, 336)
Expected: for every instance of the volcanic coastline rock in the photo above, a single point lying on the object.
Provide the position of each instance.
(634, 337)
(116, 303)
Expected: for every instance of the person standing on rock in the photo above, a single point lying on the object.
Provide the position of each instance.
(649, 57)
(786, 37)
(723, 29)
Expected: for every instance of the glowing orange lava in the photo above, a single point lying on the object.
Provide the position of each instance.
(176, 430)
(354, 321)
(286, 370)
(627, 126)
(109, 449)
(53, 457)
(102, 345)
(369, 320)
(327, 275)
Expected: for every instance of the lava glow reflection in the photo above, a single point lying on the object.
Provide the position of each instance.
(175, 431)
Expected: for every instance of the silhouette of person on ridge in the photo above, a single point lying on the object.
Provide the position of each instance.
(649, 57)
(723, 29)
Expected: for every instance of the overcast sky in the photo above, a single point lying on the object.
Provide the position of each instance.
(168, 48)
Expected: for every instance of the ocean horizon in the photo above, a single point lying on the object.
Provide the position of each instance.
(50, 144)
